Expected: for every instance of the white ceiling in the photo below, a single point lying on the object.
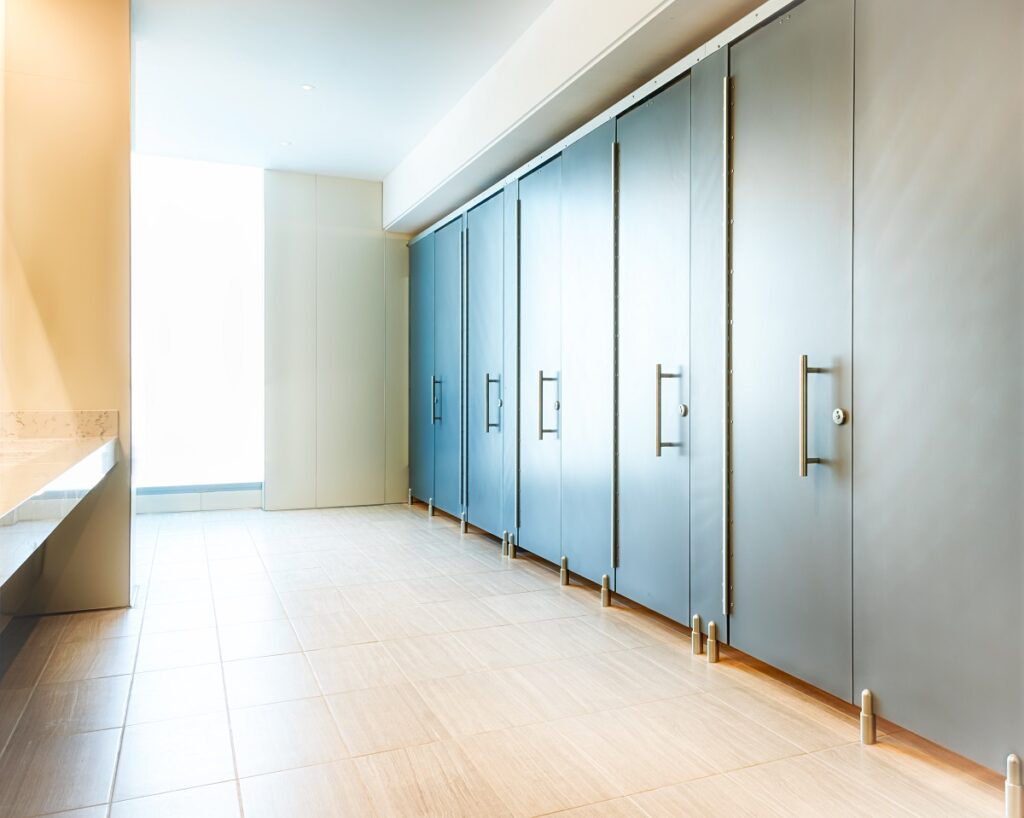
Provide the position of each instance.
(221, 80)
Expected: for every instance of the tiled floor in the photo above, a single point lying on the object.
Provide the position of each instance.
(376, 662)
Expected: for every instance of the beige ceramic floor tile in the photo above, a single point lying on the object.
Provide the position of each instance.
(432, 657)
(498, 583)
(726, 739)
(376, 595)
(401, 622)
(84, 627)
(714, 797)
(532, 606)
(425, 781)
(354, 667)
(616, 808)
(573, 636)
(332, 630)
(313, 603)
(251, 608)
(633, 754)
(237, 566)
(384, 718)
(282, 736)
(162, 756)
(322, 791)
(162, 591)
(78, 707)
(536, 770)
(225, 587)
(212, 801)
(479, 702)
(301, 579)
(90, 660)
(803, 786)
(465, 614)
(505, 646)
(48, 773)
(269, 679)
(162, 651)
(249, 640)
(85, 812)
(920, 785)
(178, 616)
(176, 693)
(811, 727)
(437, 589)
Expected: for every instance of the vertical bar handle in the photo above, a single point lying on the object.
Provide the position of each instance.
(801, 444)
(435, 404)
(541, 380)
(488, 380)
(659, 376)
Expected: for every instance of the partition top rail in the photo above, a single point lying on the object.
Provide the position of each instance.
(743, 26)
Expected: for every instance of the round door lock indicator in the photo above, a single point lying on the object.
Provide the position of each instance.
(684, 410)
(558, 405)
(839, 417)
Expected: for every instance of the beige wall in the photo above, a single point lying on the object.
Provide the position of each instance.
(336, 345)
(64, 281)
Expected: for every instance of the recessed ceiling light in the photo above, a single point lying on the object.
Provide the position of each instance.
(308, 87)
(285, 143)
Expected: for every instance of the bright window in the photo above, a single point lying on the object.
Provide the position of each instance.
(197, 323)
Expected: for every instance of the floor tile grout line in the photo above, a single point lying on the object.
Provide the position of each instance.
(131, 683)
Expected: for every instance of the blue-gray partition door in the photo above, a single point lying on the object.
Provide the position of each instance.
(484, 379)
(448, 368)
(654, 353)
(540, 259)
(792, 243)
(588, 350)
(421, 368)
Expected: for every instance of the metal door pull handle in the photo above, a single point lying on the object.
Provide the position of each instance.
(659, 444)
(541, 430)
(435, 404)
(488, 380)
(805, 370)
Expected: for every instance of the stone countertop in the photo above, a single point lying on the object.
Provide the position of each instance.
(49, 461)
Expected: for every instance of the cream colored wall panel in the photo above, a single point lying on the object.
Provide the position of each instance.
(290, 340)
(64, 281)
(396, 267)
(350, 355)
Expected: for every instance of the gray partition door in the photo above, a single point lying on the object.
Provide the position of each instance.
(938, 521)
(653, 357)
(448, 367)
(707, 339)
(510, 359)
(588, 350)
(421, 368)
(792, 221)
(540, 261)
(484, 380)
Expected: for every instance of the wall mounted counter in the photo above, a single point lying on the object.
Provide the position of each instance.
(49, 461)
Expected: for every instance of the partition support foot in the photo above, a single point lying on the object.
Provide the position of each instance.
(563, 574)
(462, 523)
(430, 507)
(867, 718)
(504, 543)
(606, 592)
(1014, 788)
(712, 643)
(695, 643)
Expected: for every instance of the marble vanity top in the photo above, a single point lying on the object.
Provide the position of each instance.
(49, 461)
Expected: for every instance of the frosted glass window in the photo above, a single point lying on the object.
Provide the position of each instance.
(197, 323)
